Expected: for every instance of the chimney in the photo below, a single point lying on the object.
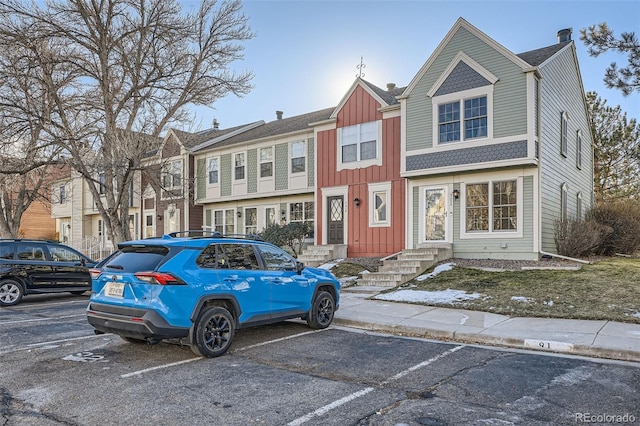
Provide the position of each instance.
(279, 115)
(391, 86)
(564, 35)
(216, 125)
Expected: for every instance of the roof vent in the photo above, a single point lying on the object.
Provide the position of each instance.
(216, 125)
(279, 115)
(391, 86)
(564, 35)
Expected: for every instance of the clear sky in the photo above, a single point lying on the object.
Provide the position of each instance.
(305, 53)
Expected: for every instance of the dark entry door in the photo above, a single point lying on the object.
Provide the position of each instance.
(335, 225)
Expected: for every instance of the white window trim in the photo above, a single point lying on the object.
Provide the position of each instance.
(170, 163)
(306, 154)
(460, 97)
(564, 201)
(359, 164)
(224, 218)
(273, 164)
(579, 206)
(233, 166)
(379, 187)
(464, 235)
(579, 148)
(564, 131)
(208, 171)
(263, 220)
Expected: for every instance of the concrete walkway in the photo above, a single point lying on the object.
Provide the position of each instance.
(603, 339)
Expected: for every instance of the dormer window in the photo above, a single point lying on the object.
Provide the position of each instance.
(471, 124)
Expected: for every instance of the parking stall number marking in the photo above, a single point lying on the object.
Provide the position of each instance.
(85, 357)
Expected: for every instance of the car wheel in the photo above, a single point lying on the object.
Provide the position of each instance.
(322, 311)
(78, 293)
(11, 293)
(214, 332)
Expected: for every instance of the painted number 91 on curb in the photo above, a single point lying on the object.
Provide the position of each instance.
(548, 345)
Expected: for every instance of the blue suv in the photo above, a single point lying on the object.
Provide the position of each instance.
(200, 290)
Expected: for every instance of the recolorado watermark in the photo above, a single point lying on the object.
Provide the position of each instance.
(604, 418)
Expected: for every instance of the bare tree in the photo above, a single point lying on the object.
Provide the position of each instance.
(129, 70)
(27, 153)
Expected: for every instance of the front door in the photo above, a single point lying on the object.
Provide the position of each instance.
(435, 214)
(335, 220)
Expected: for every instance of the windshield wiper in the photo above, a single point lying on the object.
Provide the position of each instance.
(114, 267)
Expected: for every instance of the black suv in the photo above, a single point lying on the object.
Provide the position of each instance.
(36, 266)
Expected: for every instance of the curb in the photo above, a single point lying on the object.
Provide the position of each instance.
(528, 344)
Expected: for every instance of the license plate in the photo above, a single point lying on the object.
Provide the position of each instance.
(114, 289)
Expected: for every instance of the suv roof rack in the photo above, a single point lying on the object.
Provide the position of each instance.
(199, 233)
(195, 233)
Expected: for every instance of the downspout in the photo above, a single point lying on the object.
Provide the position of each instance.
(586, 262)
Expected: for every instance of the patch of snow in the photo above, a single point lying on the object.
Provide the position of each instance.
(637, 315)
(345, 280)
(447, 296)
(438, 269)
(522, 299)
(365, 272)
(327, 266)
(549, 303)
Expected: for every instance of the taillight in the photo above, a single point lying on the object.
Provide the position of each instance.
(95, 273)
(158, 278)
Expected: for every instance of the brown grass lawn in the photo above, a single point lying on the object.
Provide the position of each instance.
(606, 290)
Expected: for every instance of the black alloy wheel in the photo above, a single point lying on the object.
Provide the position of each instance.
(322, 311)
(214, 332)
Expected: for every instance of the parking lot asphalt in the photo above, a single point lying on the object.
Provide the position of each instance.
(602, 339)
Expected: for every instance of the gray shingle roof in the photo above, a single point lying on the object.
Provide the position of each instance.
(274, 128)
(538, 56)
(389, 96)
(190, 140)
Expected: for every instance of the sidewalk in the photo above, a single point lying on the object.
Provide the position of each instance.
(603, 339)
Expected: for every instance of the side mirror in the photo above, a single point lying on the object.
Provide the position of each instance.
(299, 267)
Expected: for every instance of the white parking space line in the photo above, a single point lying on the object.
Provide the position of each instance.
(159, 367)
(282, 339)
(25, 306)
(40, 345)
(335, 404)
(173, 364)
(42, 319)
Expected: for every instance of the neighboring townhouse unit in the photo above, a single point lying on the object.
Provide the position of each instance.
(496, 146)
(260, 176)
(361, 195)
(78, 222)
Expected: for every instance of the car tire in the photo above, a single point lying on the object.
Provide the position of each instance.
(214, 332)
(11, 292)
(78, 293)
(322, 310)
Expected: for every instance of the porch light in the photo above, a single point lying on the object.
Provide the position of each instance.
(356, 201)
(456, 194)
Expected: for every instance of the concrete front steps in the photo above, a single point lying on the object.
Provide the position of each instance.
(318, 255)
(406, 266)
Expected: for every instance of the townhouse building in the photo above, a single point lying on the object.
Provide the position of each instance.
(481, 153)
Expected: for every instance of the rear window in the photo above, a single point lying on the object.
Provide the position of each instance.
(136, 259)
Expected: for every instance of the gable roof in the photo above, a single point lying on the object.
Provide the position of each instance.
(383, 97)
(462, 23)
(271, 129)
